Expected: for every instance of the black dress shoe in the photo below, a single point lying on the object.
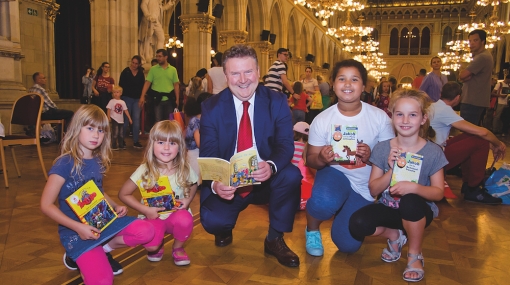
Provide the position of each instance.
(223, 239)
(281, 251)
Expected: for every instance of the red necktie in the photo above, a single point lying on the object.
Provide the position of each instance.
(244, 137)
(244, 141)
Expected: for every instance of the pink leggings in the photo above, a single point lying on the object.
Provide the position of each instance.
(179, 223)
(94, 265)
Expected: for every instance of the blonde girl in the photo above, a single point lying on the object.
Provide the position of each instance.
(85, 156)
(165, 156)
(196, 87)
(405, 206)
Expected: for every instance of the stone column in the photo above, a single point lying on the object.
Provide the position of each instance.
(51, 12)
(196, 30)
(262, 48)
(229, 38)
(11, 77)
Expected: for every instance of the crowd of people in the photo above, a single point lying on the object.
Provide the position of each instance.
(231, 112)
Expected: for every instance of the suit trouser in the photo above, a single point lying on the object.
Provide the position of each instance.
(282, 192)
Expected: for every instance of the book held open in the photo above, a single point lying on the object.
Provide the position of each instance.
(91, 207)
(234, 173)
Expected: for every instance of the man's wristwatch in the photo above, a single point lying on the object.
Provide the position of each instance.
(273, 167)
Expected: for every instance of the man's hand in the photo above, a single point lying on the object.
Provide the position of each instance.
(498, 151)
(263, 173)
(224, 191)
(141, 102)
(296, 96)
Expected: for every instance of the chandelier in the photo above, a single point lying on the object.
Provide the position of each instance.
(326, 8)
(348, 32)
(174, 42)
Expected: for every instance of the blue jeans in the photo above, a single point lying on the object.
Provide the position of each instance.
(298, 116)
(332, 196)
(134, 112)
(471, 113)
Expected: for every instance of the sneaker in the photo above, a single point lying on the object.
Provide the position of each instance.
(180, 260)
(115, 148)
(123, 147)
(137, 145)
(480, 195)
(155, 257)
(116, 267)
(69, 263)
(314, 243)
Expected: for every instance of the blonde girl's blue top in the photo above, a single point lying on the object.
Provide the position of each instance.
(91, 170)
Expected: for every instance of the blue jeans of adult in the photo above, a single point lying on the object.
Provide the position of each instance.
(281, 191)
(471, 113)
(134, 112)
(333, 196)
(162, 110)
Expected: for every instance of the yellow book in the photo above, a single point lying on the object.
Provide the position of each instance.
(91, 207)
(161, 195)
(234, 173)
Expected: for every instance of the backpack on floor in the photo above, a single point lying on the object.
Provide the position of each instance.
(498, 184)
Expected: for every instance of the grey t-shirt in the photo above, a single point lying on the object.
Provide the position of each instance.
(477, 90)
(433, 161)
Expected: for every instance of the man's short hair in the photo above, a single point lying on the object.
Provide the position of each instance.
(450, 90)
(281, 50)
(481, 33)
(423, 71)
(239, 51)
(163, 51)
(219, 57)
(35, 75)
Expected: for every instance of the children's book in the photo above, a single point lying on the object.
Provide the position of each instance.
(407, 167)
(344, 139)
(235, 172)
(161, 195)
(91, 207)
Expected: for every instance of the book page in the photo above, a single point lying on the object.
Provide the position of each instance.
(161, 195)
(90, 206)
(215, 169)
(344, 143)
(242, 164)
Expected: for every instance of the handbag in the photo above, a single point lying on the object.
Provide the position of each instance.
(178, 117)
(316, 101)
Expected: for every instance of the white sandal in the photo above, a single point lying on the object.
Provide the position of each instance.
(389, 251)
(421, 272)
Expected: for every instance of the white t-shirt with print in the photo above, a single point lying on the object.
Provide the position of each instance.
(501, 100)
(193, 178)
(374, 126)
(117, 108)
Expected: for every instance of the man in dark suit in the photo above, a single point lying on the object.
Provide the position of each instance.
(270, 133)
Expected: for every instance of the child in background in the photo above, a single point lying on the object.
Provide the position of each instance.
(196, 87)
(116, 108)
(405, 205)
(300, 107)
(165, 155)
(300, 138)
(84, 157)
(193, 111)
(383, 98)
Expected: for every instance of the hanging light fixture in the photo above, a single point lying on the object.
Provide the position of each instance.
(174, 42)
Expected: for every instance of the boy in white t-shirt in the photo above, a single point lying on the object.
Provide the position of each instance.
(116, 108)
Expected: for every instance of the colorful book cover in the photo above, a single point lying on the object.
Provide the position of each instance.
(344, 139)
(91, 207)
(407, 167)
(235, 172)
(161, 195)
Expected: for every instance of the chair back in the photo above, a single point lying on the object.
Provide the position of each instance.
(27, 110)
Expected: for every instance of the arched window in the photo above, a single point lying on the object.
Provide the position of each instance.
(404, 42)
(375, 35)
(425, 41)
(393, 42)
(447, 36)
(415, 41)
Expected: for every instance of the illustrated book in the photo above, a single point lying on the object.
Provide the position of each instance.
(344, 140)
(161, 195)
(235, 172)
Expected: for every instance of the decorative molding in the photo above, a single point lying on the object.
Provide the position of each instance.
(12, 54)
(264, 46)
(239, 36)
(204, 22)
(51, 11)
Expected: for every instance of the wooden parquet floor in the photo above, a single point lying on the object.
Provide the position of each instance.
(467, 244)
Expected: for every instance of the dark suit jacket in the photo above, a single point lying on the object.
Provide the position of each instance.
(272, 124)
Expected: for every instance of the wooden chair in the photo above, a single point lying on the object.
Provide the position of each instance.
(25, 111)
(58, 122)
